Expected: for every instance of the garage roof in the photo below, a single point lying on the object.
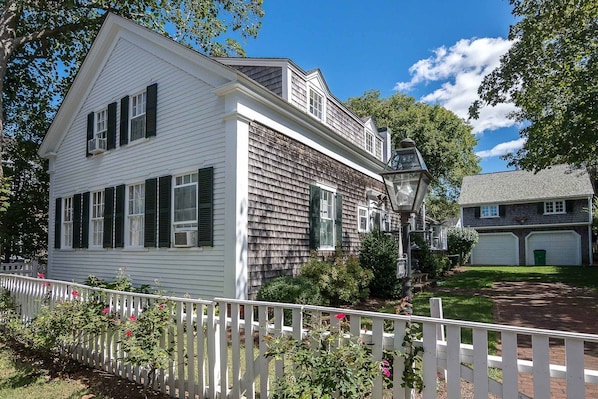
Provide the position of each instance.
(557, 182)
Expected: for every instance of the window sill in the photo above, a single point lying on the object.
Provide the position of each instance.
(96, 249)
(180, 249)
(489, 217)
(137, 142)
(554, 213)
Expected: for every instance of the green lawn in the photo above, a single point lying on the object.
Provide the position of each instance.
(476, 277)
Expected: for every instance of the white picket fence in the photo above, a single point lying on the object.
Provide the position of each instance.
(221, 345)
(20, 268)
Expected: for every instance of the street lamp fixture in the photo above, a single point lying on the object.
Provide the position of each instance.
(406, 178)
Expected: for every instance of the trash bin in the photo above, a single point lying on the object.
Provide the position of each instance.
(540, 257)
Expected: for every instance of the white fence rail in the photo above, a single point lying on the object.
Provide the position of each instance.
(221, 345)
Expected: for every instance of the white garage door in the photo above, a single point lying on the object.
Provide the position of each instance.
(563, 248)
(496, 249)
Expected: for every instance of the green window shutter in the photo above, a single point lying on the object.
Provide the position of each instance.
(57, 221)
(502, 210)
(150, 110)
(85, 221)
(164, 196)
(540, 207)
(314, 216)
(119, 217)
(77, 221)
(90, 122)
(338, 220)
(124, 121)
(205, 207)
(108, 216)
(150, 219)
(111, 128)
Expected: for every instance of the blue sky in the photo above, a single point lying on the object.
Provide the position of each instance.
(434, 50)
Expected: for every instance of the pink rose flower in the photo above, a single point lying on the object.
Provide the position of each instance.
(129, 333)
(340, 316)
(75, 294)
(386, 372)
(133, 318)
(106, 310)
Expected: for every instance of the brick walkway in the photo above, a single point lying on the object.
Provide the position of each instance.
(553, 306)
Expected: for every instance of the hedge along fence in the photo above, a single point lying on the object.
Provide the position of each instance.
(215, 354)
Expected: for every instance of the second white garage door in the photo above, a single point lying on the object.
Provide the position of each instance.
(563, 248)
(496, 249)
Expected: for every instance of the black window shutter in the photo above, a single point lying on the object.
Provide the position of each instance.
(205, 207)
(164, 195)
(119, 217)
(338, 220)
(90, 122)
(124, 121)
(476, 212)
(77, 221)
(150, 110)
(569, 206)
(85, 221)
(150, 218)
(108, 216)
(502, 210)
(57, 222)
(540, 206)
(111, 133)
(314, 216)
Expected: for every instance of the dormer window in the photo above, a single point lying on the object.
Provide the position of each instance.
(138, 103)
(316, 104)
(369, 141)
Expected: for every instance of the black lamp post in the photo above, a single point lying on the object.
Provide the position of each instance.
(406, 178)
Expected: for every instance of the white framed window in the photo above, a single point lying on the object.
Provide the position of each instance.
(362, 219)
(101, 124)
(138, 108)
(185, 202)
(327, 219)
(97, 219)
(489, 211)
(135, 215)
(369, 141)
(554, 207)
(316, 104)
(67, 222)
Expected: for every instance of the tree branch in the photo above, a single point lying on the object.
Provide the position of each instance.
(50, 32)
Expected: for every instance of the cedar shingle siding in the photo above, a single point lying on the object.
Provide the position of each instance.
(280, 173)
(270, 77)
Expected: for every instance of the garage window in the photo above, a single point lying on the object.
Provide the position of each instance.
(489, 211)
(554, 207)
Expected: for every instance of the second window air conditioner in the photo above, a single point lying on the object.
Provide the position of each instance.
(185, 239)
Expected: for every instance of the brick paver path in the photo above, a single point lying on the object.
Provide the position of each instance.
(553, 306)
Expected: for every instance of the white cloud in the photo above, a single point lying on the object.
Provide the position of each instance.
(461, 69)
(502, 149)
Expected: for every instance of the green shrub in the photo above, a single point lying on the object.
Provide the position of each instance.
(429, 262)
(461, 242)
(288, 289)
(340, 279)
(378, 254)
(325, 365)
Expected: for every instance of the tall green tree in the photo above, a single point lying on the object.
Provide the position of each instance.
(551, 75)
(42, 44)
(444, 140)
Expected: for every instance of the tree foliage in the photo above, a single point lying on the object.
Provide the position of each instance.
(444, 140)
(43, 42)
(551, 75)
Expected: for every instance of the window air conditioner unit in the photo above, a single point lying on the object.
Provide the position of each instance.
(185, 239)
(96, 145)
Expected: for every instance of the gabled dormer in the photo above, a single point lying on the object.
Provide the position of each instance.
(309, 92)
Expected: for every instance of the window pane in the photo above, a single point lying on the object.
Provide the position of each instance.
(135, 215)
(185, 204)
(326, 233)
